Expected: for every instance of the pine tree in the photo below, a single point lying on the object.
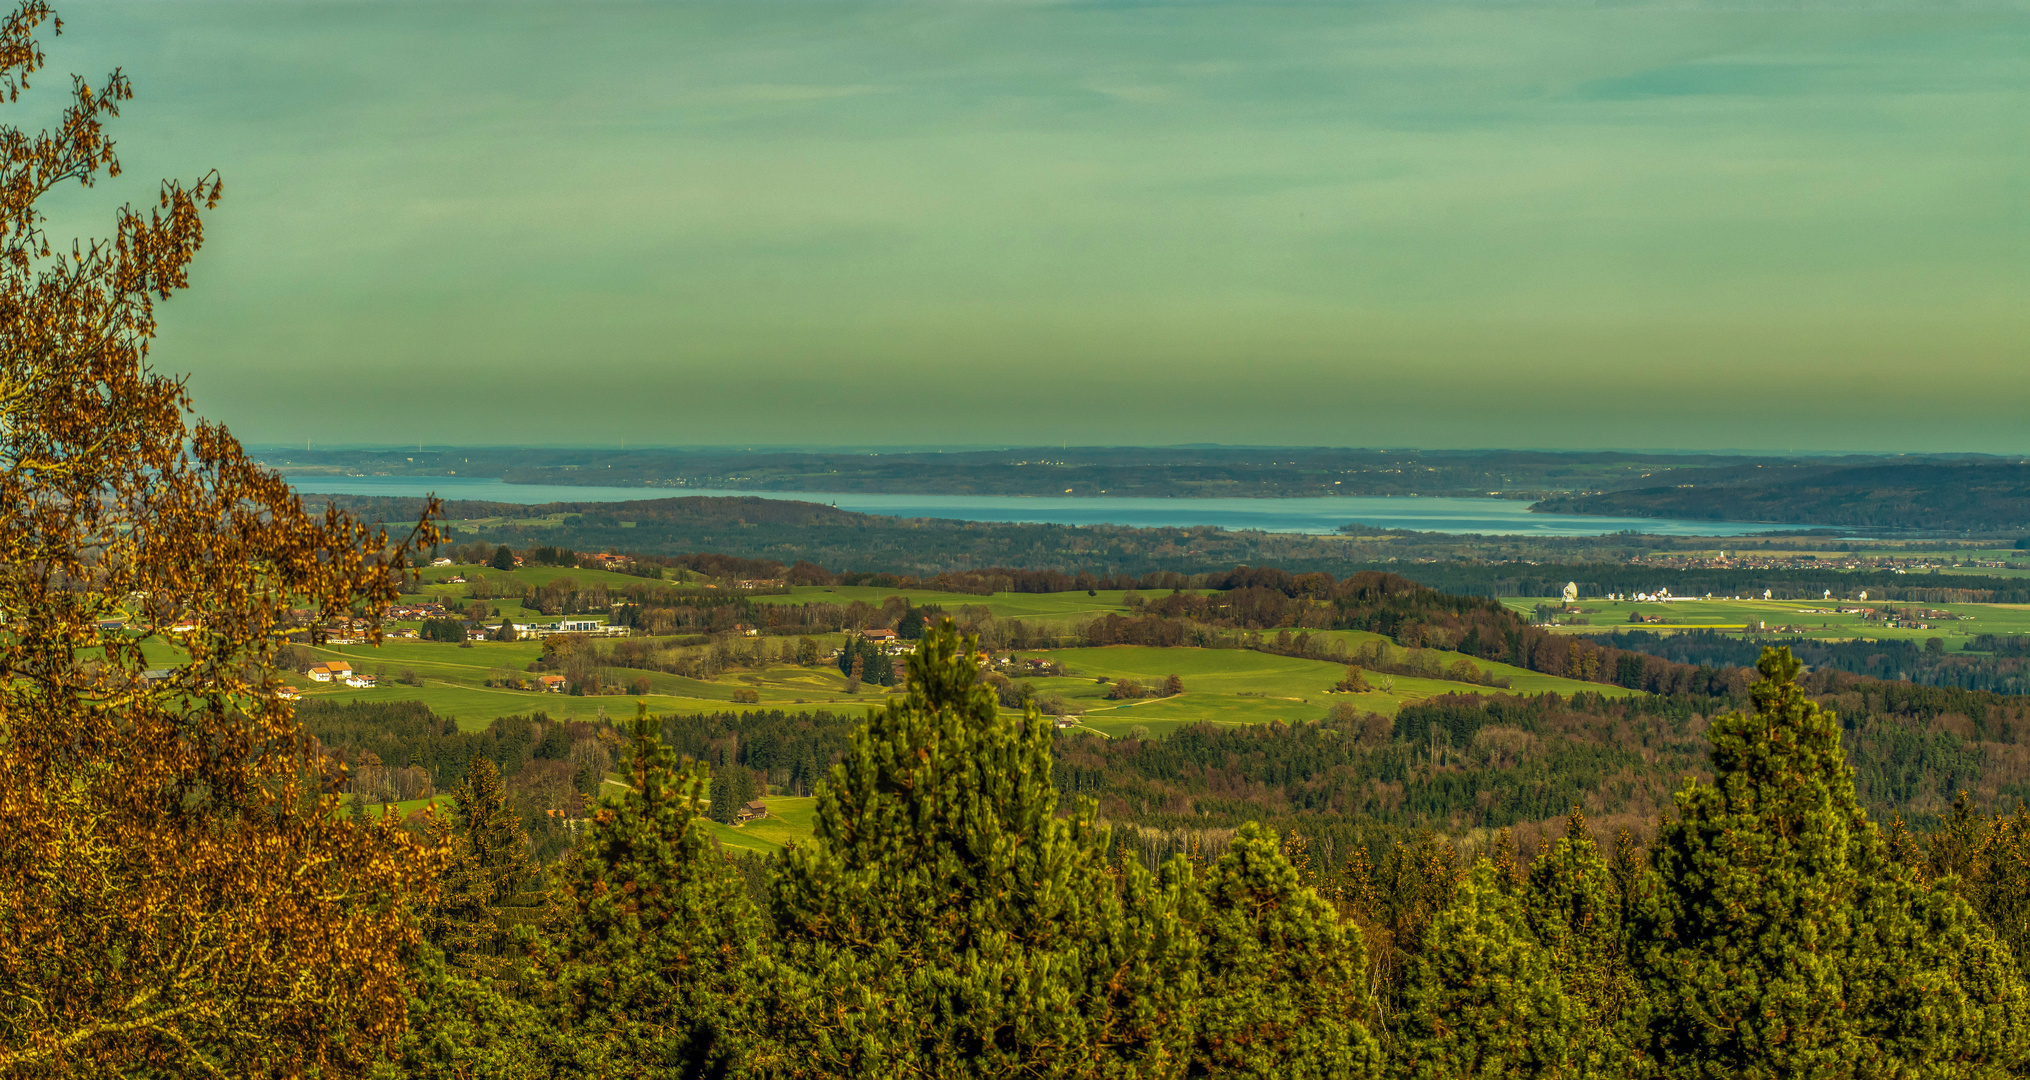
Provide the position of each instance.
(946, 923)
(732, 788)
(492, 883)
(1776, 936)
(655, 934)
(1283, 979)
(1484, 999)
(1574, 909)
(462, 1028)
(503, 558)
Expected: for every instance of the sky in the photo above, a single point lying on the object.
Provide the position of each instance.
(1673, 225)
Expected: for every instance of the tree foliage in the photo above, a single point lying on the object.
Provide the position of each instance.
(491, 884)
(1484, 998)
(1284, 981)
(1777, 938)
(656, 934)
(946, 922)
(177, 892)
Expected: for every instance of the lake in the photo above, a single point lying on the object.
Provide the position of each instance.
(1491, 516)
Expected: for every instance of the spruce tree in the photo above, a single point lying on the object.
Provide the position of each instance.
(1574, 909)
(945, 922)
(655, 933)
(1484, 999)
(492, 882)
(1283, 979)
(462, 1028)
(1776, 936)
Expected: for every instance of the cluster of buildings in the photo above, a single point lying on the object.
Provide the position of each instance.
(340, 672)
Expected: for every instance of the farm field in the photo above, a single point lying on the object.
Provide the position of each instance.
(790, 819)
(454, 684)
(1235, 686)
(1815, 619)
(1004, 605)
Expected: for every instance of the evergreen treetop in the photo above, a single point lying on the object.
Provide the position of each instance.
(493, 882)
(655, 933)
(1777, 938)
(945, 922)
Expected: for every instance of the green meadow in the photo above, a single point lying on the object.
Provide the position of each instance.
(453, 683)
(1003, 605)
(1809, 618)
(1239, 686)
(790, 819)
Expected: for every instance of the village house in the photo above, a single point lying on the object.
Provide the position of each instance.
(288, 693)
(879, 635)
(755, 809)
(319, 673)
(440, 562)
(360, 682)
(553, 684)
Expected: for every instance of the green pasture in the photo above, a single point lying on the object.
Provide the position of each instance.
(790, 820)
(454, 684)
(532, 576)
(1237, 686)
(1004, 605)
(1809, 618)
(1521, 680)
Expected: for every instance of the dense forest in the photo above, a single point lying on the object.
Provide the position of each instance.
(1992, 662)
(1981, 496)
(1014, 931)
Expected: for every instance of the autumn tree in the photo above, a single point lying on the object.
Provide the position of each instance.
(178, 894)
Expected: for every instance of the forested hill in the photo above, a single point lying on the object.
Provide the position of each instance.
(844, 541)
(1166, 472)
(1981, 497)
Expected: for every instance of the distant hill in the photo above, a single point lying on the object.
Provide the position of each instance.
(1167, 472)
(1978, 497)
(843, 540)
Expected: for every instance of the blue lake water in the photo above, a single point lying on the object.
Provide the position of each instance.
(1490, 516)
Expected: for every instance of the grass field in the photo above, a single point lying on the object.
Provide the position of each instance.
(1004, 605)
(454, 684)
(790, 820)
(1235, 686)
(1816, 619)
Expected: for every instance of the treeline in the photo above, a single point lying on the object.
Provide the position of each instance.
(399, 751)
(1769, 927)
(1596, 580)
(1965, 496)
(1995, 663)
(1468, 764)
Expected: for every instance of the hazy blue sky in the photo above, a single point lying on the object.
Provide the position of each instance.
(1339, 223)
